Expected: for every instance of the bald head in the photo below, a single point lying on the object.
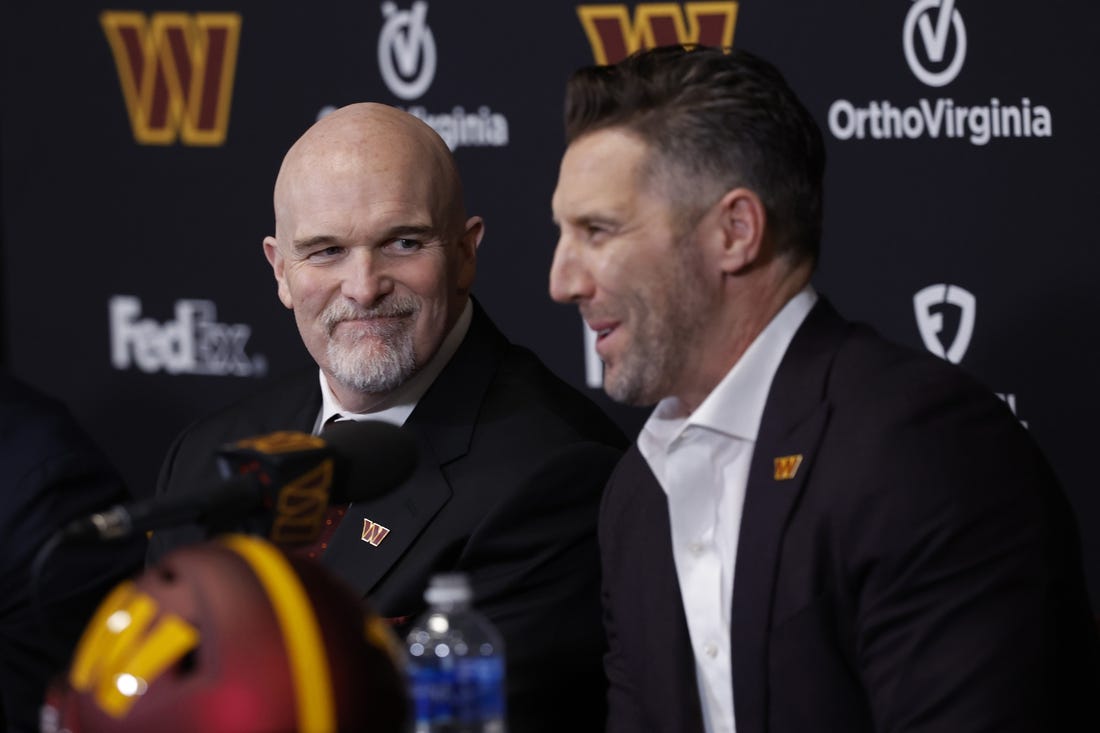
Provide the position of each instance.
(370, 140)
(372, 249)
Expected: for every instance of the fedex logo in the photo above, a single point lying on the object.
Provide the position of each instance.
(194, 342)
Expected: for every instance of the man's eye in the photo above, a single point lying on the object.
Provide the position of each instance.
(403, 245)
(326, 253)
(596, 231)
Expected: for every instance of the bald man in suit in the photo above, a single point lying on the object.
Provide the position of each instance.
(375, 255)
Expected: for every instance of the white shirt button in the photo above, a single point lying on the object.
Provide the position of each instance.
(710, 649)
(696, 548)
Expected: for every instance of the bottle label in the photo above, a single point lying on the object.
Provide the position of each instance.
(464, 695)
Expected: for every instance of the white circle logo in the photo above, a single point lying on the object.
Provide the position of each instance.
(405, 46)
(934, 38)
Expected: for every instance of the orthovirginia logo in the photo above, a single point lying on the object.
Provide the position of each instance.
(176, 72)
(193, 343)
(407, 61)
(614, 36)
(406, 50)
(934, 35)
(935, 47)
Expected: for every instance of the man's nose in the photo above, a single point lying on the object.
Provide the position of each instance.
(569, 278)
(365, 277)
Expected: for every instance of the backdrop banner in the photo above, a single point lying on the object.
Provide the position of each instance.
(140, 144)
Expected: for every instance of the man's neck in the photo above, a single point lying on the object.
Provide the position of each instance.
(748, 311)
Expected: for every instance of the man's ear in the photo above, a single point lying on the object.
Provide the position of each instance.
(467, 246)
(278, 266)
(741, 222)
(471, 237)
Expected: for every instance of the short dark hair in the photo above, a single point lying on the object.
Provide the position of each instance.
(722, 119)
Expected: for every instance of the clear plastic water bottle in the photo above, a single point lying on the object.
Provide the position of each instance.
(455, 663)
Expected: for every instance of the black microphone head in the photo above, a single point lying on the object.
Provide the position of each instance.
(376, 457)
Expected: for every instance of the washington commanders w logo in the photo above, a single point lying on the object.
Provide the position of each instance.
(126, 646)
(373, 532)
(614, 36)
(176, 71)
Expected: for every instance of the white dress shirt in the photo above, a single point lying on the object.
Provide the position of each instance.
(402, 401)
(702, 463)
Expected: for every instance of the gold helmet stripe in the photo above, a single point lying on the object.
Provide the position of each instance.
(305, 646)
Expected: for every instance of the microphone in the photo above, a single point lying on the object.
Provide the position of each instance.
(284, 480)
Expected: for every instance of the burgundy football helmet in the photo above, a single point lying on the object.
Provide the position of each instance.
(231, 636)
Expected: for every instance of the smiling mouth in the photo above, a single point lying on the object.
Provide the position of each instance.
(603, 329)
(370, 323)
(376, 319)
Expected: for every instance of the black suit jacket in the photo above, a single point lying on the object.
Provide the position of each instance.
(919, 572)
(50, 473)
(512, 466)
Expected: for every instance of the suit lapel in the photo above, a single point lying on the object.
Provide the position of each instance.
(794, 419)
(375, 533)
(443, 424)
(304, 415)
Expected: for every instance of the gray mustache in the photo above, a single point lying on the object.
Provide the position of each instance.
(344, 310)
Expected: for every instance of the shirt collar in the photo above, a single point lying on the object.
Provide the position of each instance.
(400, 403)
(735, 406)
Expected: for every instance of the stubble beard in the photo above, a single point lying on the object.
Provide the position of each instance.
(376, 354)
(640, 375)
(666, 323)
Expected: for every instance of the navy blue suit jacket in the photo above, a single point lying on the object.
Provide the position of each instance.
(50, 473)
(919, 572)
(512, 466)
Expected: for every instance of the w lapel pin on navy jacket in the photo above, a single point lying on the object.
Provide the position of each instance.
(787, 466)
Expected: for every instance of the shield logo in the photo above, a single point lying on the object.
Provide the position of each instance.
(931, 324)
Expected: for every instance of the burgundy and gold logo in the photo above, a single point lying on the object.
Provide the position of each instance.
(301, 506)
(283, 441)
(614, 35)
(786, 467)
(176, 72)
(374, 533)
(126, 646)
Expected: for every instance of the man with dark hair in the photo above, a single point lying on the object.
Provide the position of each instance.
(816, 530)
(374, 254)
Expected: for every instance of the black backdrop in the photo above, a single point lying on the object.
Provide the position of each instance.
(140, 144)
